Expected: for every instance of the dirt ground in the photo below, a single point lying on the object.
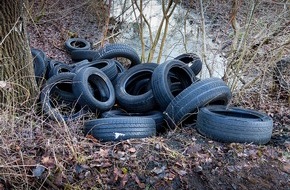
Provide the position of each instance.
(49, 155)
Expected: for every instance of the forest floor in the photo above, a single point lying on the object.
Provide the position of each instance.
(37, 153)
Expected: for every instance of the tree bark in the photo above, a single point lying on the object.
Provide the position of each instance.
(18, 87)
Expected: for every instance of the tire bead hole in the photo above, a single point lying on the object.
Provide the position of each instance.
(98, 88)
(237, 114)
(78, 44)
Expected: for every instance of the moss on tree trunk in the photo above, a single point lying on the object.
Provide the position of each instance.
(18, 87)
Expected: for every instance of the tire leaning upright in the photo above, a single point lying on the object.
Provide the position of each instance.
(211, 91)
(162, 80)
(93, 89)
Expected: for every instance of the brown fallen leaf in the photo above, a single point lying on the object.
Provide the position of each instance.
(124, 179)
(103, 152)
(132, 150)
(116, 173)
(47, 161)
(286, 168)
(135, 177)
(92, 138)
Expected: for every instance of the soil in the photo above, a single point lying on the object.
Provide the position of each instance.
(58, 156)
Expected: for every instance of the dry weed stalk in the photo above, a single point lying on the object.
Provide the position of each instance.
(167, 10)
(29, 140)
(256, 47)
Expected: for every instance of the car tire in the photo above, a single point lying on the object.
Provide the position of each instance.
(39, 65)
(80, 55)
(126, 82)
(210, 91)
(157, 116)
(108, 66)
(59, 68)
(73, 44)
(120, 128)
(161, 80)
(93, 89)
(233, 124)
(192, 60)
(112, 51)
(46, 100)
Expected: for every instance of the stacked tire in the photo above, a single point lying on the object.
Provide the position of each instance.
(134, 100)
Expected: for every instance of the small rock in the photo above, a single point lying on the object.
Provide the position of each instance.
(38, 171)
(198, 169)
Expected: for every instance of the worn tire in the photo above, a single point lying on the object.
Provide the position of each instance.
(51, 64)
(108, 52)
(93, 89)
(73, 44)
(119, 50)
(234, 124)
(59, 68)
(45, 98)
(135, 103)
(192, 60)
(35, 51)
(108, 66)
(120, 128)
(140, 87)
(79, 55)
(161, 80)
(157, 116)
(120, 67)
(211, 91)
(39, 64)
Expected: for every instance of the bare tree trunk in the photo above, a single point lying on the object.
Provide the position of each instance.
(18, 87)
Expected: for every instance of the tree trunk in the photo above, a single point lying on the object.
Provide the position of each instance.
(18, 87)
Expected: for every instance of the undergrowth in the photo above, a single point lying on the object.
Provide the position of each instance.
(38, 153)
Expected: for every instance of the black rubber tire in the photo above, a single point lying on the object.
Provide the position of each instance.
(115, 46)
(140, 87)
(45, 98)
(79, 55)
(119, 50)
(210, 91)
(39, 64)
(73, 44)
(120, 67)
(176, 88)
(51, 64)
(108, 66)
(161, 80)
(78, 64)
(157, 116)
(59, 68)
(108, 52)
(35, 51)
(234, 124)
(193, 60)
(94, 89)
(135, 103)
(120, 128)
(64, 92)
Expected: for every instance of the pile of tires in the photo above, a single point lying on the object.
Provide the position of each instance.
(134, 100)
